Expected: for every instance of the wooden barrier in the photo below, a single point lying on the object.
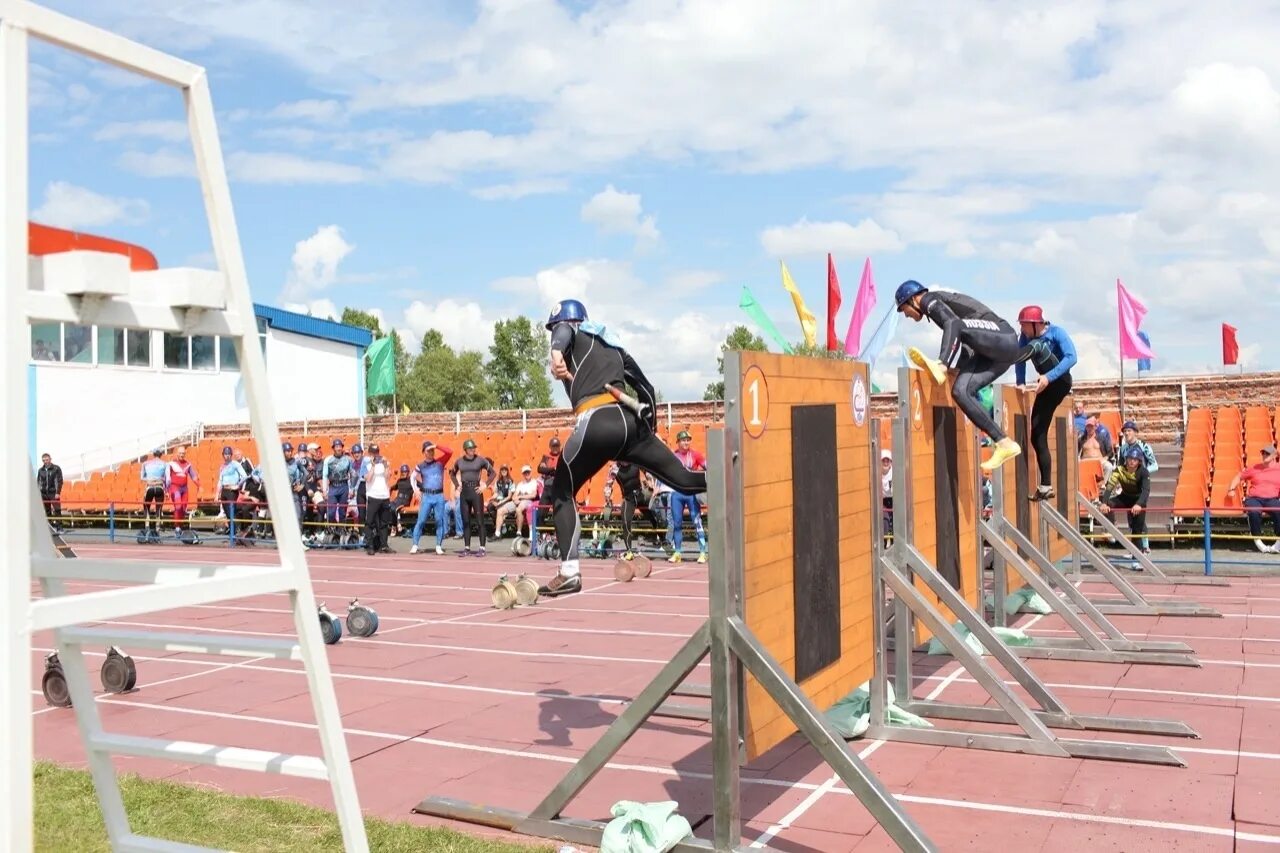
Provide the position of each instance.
(808, 525)
(1031, 538)
(944, 481)
(926, 604)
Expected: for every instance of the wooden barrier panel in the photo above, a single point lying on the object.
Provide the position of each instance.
(944, 493)
(808, 512)
(1021, 476)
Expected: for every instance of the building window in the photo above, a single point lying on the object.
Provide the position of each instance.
(227, 357)
(131, 347)
(46, 342)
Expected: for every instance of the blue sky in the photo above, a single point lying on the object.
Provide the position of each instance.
(449, 165)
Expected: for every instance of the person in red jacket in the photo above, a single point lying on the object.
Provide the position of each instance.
(1264, 492)
(179, 475)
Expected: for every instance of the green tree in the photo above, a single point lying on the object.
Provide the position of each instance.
(517, 368)
(741, 338)
(366, 320)
(442, 380)
(820, 352)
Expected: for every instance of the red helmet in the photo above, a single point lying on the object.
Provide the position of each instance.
(1031, 314)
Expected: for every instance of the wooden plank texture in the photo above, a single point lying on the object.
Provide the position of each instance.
(770, 386)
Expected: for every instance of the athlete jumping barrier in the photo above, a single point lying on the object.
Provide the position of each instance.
(1054, 528)
(1026, 543)
(793, 523)
(933, 569)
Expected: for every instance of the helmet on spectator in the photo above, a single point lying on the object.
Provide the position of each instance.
(226, 451)
(337, 442)
(357, 448)
(404, 469)
(906, 291)
(568, 311)
(683, 435)
(468, 445)
(1133, 453)
(1031, 314)
(287, 447)
(1133, 425)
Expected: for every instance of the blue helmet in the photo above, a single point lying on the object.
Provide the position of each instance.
(569, 310)
(906, 290)
(1133, 452)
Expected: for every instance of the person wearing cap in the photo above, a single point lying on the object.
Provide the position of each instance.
(377, 490)
(357, 482)
(1051, 388)
(428, 485)
(1129, 438)
(335, 481)
(1264, 493)
(1129, 486)
(692, 460)
(523, 497)
(153, 472)
(595, 370)
(403, 497)
(979, 345)
(465, 475)
(886, 489)
(547, 471)
(501, 497)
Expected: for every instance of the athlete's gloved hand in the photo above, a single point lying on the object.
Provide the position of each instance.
(648, 417)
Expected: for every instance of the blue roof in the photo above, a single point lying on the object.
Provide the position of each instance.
(304, 324)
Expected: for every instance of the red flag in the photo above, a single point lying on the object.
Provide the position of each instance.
(833, 303)
(1230, 349)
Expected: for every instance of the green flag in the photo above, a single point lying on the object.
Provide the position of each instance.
(755, 312)
(382, 367)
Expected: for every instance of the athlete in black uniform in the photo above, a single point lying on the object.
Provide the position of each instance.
(588, 362)
(628, 480)
(979, 345)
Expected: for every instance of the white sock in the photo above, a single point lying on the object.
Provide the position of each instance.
(568, 568)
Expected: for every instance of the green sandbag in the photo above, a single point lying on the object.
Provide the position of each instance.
(1008, 636)
(851, 715)
(644, 828)
(1025, 600)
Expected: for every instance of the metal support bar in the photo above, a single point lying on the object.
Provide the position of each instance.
(830, 745)
(1153, 573)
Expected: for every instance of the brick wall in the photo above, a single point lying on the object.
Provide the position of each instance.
(1155, 403)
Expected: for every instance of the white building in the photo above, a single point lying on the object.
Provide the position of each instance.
(100, 395)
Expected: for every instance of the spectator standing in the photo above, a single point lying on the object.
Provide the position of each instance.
(335, 482)
(49, 482)
(179, 476)
(153, 477)
(692, 460)
(465, 475)
(428, 484)
(377, 489)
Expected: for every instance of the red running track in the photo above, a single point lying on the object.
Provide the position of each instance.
(457, 699)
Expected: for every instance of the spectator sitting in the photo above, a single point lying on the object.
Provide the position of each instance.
(402, 496)
(523, 498)
(1264, 492)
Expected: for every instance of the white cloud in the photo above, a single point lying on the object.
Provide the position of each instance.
(321, 308)
(311, 109)
(315, 262)
(818, 238)
(163, 129)
(687, 281)
(283, 168)
(69, 206)
(518, 190)
(164, 163)
(463, 325)
(616, 212)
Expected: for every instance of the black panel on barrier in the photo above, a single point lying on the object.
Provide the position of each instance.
(815, 512)
(1064, 455)
(1022, 487)
(947, 507)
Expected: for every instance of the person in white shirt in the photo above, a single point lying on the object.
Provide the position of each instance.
(524, 496)
(377, 520)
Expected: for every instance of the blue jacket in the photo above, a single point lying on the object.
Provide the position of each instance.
(1060, 343)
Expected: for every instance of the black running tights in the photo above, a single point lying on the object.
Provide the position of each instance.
(610, 432)
(1047, 402)
(471, 506)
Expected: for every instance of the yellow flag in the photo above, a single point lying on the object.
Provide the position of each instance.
(807, 321)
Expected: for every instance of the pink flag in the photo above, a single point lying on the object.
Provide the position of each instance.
(1131, 313)
(861, 311)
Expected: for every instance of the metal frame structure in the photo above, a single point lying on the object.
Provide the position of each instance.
(192, 302)
(1103, 641)
(897, 569)
(732, 647)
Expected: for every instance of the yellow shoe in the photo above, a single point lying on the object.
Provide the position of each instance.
(1005, 450)
(677, 557)
(935, 368)
(702, 558)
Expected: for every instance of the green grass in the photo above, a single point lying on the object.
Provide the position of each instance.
(67, 818)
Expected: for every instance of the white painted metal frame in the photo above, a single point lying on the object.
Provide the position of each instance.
(28, 545)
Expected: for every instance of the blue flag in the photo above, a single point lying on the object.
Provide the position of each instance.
(880, 339)
(1144, 363)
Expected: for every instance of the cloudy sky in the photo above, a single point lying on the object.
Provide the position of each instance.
(448, 164)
